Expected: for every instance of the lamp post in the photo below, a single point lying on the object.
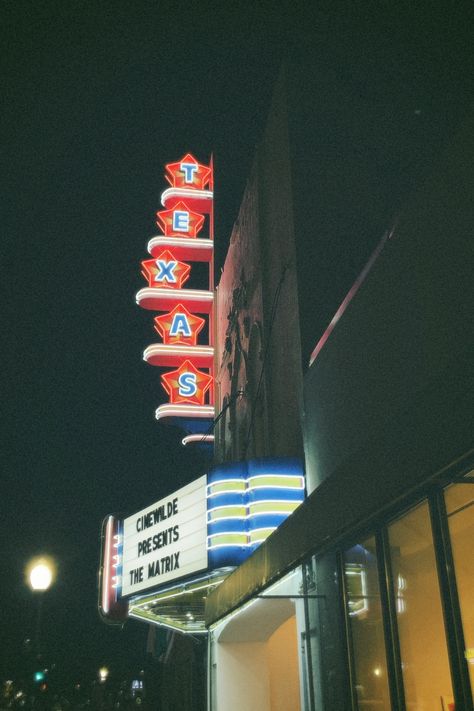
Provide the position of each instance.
(40, 574)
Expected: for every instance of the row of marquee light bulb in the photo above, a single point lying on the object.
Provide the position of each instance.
(187, 202)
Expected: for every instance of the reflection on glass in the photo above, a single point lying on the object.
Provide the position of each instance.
(460, 508)
(366, 626)
(425, 666)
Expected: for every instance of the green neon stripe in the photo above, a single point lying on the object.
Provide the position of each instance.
(260, 535)
(228, 512)
(289, 482)
(222, 486)
(231, 539)
(273, 506)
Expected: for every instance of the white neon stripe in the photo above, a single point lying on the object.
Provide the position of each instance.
(290, 475)
(276, 486)
(192, 411)
(252, 488)
(194, 244)
(220, 519)
(275, 501)
(191, 439)
(229, 545)
(271, 513)
(105, 571)
(180, 295)
(292, 506)
(184, 193)
(157, 349)
(228, 506)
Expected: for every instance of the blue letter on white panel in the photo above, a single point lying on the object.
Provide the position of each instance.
(188, 169)
(165, 271)
(180, 326)
(187, 384)
(180, 221)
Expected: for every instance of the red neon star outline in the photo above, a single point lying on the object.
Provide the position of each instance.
(165, 221)
(180, 272)
(177, 177)
(171, 384)
(163, 326)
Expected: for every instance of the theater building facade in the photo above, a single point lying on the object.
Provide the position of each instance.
(358, 597)
(362, 599)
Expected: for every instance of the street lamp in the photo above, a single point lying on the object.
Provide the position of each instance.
(40, 574)
(41, 577)
(103, 674)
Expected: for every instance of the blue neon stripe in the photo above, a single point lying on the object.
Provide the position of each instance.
(272, 494)
(238, 525)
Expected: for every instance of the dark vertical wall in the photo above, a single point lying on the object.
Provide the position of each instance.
(409, 329)
(283, 372)
(258, 338)
(374, 93)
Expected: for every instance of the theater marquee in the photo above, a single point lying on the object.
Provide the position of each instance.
(165, 541)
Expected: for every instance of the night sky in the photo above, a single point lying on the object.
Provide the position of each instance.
(97, 98)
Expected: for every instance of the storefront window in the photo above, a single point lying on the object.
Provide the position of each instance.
(424, 657)
(364, 613)
(460, 508)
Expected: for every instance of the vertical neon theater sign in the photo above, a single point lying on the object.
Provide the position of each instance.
(188, 214)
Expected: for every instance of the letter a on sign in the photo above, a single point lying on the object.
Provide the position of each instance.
(179, 326)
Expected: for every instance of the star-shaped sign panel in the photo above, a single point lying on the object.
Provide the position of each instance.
(188, 173)
(179, 326)
(187, 384)
(166, 271)
(180, 221)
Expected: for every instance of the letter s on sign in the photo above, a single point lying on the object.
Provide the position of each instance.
(187, 384)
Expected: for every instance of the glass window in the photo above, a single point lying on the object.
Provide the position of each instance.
(460, 508)
(424, 656)
(364, 613)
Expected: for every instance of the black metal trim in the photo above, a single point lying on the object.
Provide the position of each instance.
(450, 601)
(347, 633)
(389, 617)
(309, 653)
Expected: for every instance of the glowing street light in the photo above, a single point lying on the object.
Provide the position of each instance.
(41, 577)
(103, 674)
(40, 573)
